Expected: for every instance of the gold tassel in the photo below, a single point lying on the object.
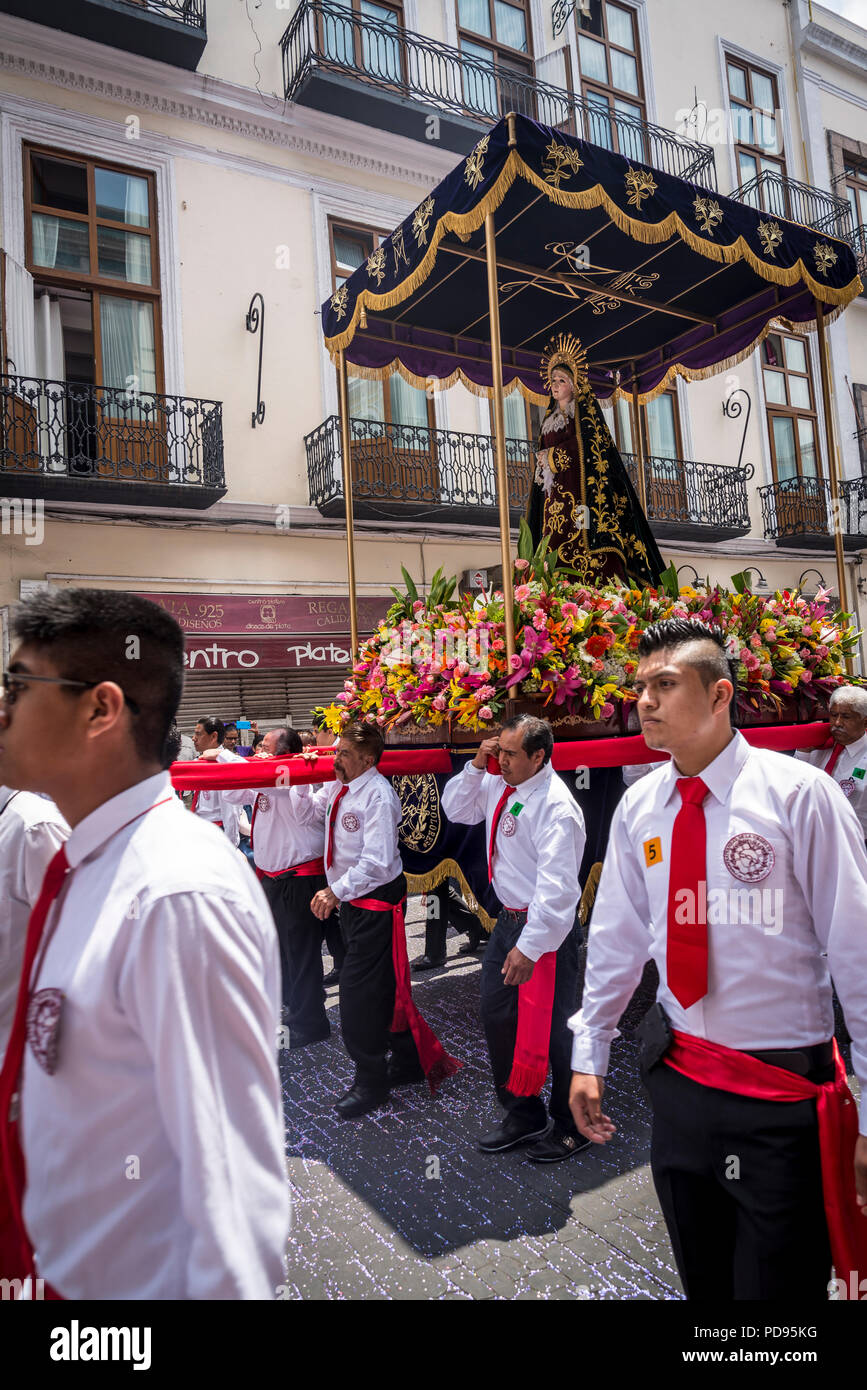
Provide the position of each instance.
(588, 897)
(446, 869)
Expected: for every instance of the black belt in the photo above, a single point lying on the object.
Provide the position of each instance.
(803, 1061)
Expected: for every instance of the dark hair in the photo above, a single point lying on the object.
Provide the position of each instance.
(365, 737)
(89, 635)
(672, 633)
(231, 729)
(537, 734)
(172, 746)
(257, 739)
(307, 736)
(289, 741)
(213, 725)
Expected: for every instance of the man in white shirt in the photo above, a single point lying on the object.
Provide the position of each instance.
(535, 833)
(209, 742)
(361, 813)
(150, 1115)
(846, 761)
(31, 832)
(742, 873)
(288, 842)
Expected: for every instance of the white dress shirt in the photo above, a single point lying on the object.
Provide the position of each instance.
(155, 1152)
(633, 772)
(771, 937)
(366, 854)
(212, 806)
(31, 832)
(287, 831)
(539, 848)
(850, 773)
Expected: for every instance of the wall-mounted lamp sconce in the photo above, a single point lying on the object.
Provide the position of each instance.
(695, 578)
(821, 584)
(732, 408)
(761, 585)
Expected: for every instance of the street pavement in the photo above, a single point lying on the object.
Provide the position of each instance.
(401, 1205)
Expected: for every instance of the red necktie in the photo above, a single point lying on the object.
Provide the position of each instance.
(686, 954)
(832, 761)
(498, 812)
(195, 801)
(329, 858)
(16, 1252)
(253, 819)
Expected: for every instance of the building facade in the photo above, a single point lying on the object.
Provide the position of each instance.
(185, 181)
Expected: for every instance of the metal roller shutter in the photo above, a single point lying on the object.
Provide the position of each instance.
(266, 696)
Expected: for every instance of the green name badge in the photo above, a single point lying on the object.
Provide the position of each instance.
(858, 772)
(517, 806)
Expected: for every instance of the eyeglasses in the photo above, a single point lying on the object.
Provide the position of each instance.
(13, 685)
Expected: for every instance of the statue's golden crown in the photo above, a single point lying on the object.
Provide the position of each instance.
(564, 351)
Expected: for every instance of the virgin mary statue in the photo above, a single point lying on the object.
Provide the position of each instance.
(581, 495)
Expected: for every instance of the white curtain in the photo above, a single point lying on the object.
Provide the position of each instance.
(46, 231)
(138, 270)
(50, 363)
(21, 335)
(128, 357)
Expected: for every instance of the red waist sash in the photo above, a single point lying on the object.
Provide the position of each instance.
(711, 1064)
(436, 1063)
(305, 870)
(533, 1036)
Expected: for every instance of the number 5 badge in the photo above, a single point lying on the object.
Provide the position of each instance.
(652, 851)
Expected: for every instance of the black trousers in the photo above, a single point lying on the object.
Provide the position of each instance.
(740, 1185)
(367, 986)
(450, 911)
(300, 937)
(333, 937)
(500, 1021)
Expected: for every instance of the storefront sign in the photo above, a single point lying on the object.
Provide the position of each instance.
(238, 613)
(263, 653)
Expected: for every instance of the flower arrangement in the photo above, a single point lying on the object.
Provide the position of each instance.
(442, 658)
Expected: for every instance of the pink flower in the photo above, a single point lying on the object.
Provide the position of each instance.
(485, 712)
(439, 702)
(485, 692)
(755, 640)
(498, 644)
(540, 621)
(521, 564)
(569, 609)
(515, 661)
(522, 592)
(607, 710)
(806, 677)
(822, 652)
(418, 605)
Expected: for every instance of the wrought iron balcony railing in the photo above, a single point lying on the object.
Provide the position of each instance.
(801, 509)
(64, 441)
(857, 239)
(782, 196)
(417, 473)
(684, 496)
(327, 37)
(172, 31)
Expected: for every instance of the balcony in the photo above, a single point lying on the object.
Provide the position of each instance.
(798, 511)
(694, 501)
(781, 196)
(172, 31)
(411, 473)
(380, 75)
(68, 443)
(857, 239)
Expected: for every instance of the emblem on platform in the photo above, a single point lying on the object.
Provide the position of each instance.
(825, 257)
(349, 820)
(749, 858)
(640, 184)
(770, 235)
(263, 802)
(708, 213)
(420, 802)
(474, 167)
(43, 1027)
(420, 219)
(847, 786)
(509, 823)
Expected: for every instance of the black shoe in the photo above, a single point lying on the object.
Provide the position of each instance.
(359, 1100)
(425, 963)
(475, 943)
(509, 1135)
(399, 1075)
(332, 978)
(556, 1145)
(297, 1039)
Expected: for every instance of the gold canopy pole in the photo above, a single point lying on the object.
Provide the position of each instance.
(637, 440)
(831, 449)
(346, 456)
(500, 437)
